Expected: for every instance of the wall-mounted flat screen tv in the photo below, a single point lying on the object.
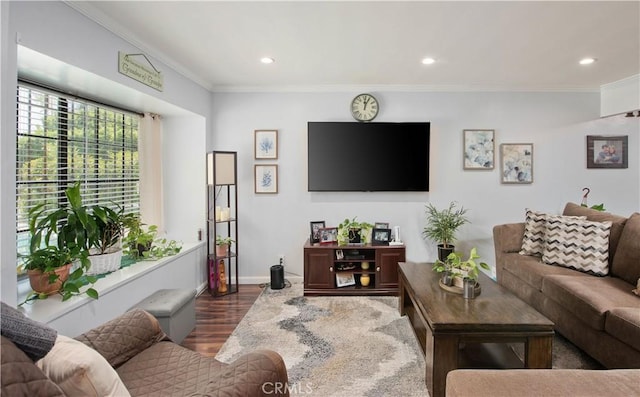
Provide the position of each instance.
(368, 157)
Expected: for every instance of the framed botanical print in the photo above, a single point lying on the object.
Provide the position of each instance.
(478, 151)
(265, 144)
(516, 162)
(266, 178)
(607, 151)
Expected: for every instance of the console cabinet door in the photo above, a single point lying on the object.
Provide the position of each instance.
(387, 267)
(318, 269)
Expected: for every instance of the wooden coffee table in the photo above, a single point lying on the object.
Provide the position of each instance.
(445, 322)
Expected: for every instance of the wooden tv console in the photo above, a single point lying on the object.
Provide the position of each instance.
(327, 266)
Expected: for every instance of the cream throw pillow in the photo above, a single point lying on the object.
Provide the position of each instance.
(81, 371)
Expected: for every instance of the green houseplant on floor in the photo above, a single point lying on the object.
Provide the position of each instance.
(442, 226)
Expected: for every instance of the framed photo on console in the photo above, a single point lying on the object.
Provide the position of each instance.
(381, 225)
(380, 236)
(328, 235)
(315, 231)
(345, 279)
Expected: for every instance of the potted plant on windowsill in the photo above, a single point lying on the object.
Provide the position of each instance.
(350, 231)
(141, 242)
(442, 226)
(222, 245)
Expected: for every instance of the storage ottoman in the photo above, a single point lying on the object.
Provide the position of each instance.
(175, 310)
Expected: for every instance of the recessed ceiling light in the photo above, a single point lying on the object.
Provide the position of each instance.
(587, 61)
(428, 61)
(267, 60)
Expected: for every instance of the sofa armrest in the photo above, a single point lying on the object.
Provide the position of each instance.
(258, 373)
(124, 337)
(507, 238)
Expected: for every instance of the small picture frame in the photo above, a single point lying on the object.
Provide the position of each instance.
(607, 151)
(328, 235)
(516, 163)
(339, 255)
(265, 144)
(315, 231)
(381, 225)
(266, 178)
(345, 279)
(478, 151)
(380, 236)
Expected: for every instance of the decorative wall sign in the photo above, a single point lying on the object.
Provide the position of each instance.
(266, 178)
(478, 150)
(516, 160)
(128, 66)
(607, 151)
(266, 144)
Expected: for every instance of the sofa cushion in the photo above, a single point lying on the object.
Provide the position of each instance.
(532, 270)
(626, 263)
(32, 337)
(600, 216)
(589, 298)
(19, 375)
(535, 229)
(80, 371)
(578, 244)
(624, 324)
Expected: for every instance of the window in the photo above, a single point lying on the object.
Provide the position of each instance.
(62, 140)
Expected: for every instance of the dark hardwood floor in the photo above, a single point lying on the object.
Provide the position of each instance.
(216, 318)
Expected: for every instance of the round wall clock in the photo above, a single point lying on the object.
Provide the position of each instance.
(364, 107)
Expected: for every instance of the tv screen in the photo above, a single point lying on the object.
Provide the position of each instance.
(368, 157)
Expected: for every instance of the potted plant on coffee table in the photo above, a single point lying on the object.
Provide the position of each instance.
(459, 269)
(442, 226)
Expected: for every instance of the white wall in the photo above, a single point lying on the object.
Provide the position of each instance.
(56, 30)
(556, 123)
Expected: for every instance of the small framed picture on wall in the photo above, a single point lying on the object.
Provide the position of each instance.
(266, 144)
(478, 152)
(607, 151)
(516, 162)
(266, 178)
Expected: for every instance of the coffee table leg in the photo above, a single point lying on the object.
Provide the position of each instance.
(445, 359)
(538, 354)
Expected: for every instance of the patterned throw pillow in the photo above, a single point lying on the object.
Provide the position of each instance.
(578, 244)
(534, 231)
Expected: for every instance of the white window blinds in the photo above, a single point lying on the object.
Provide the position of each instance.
(61, 140)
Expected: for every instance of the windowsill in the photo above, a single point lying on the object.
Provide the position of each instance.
(52, 308)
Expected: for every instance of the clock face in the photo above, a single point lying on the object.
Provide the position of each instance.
(364, 107)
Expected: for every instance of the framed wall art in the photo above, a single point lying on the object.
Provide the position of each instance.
(315, 231)
(516, 162)
(266, 178)
(265, 144)
(607, 151)
(478, 152)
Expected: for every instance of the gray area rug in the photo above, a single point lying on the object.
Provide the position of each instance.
(346, 346)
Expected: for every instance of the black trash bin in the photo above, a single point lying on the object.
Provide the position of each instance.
(277, 277)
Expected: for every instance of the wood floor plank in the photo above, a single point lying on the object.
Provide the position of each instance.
(216, 318)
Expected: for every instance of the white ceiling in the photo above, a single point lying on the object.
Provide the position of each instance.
(337, 45)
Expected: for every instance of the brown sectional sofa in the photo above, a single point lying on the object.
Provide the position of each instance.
(146, 361)
(599, 314)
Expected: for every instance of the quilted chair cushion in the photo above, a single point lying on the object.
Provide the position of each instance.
(20, 377)
(167, 369)
(124, 337)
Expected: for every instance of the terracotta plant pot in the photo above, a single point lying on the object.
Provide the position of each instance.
(40, 281)
(222, 250)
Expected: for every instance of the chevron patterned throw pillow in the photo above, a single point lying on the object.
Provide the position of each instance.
(578, 244)
(535, 229)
